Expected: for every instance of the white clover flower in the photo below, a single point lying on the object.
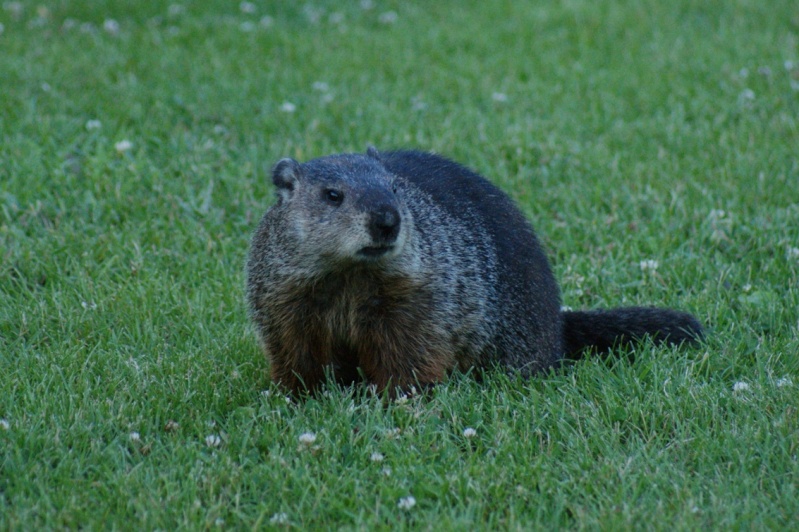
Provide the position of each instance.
(111, 26)
(175, 10)
(386, 471)
(389, 17)
(392, 433)
(336, 18)
(649, 265)
(366, 5)
(307, 438)
(377, 457)
(746, 288)
(247, 7)
(213, 440)
(793, 253)
(313, 14)
(320, 86)
(288, 107)
(500, 97)
(784, 381)
(123, 146)
(39, 21)
(279, 519)
(740, 386)
(406, 503)
(402, 399)
(14, 8)
(219, 522)
(4, 424)
(93, 124)
(266, 21)
(135, 436)
(88, 305)
(247, 26)
(469, 432)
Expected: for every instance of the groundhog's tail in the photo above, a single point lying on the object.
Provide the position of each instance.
(601, 330)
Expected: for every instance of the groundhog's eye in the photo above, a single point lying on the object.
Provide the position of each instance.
(334, 197)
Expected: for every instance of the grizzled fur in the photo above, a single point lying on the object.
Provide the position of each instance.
(403, 266)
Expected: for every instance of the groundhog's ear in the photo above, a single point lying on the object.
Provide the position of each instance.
(372, 152)
(285, 175)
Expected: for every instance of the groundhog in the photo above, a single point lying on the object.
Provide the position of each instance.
(401, 267)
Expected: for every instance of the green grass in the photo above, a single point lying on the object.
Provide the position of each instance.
(627, 131)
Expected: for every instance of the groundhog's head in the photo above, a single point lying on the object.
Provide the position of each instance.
(342, 208)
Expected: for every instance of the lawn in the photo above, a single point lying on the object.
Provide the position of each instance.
(654, 145)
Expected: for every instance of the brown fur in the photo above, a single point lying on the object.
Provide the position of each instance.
(336, 326)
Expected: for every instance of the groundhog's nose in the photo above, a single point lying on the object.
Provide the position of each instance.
(384, 224)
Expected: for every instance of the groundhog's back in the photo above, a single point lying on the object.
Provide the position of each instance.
(527, 310)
